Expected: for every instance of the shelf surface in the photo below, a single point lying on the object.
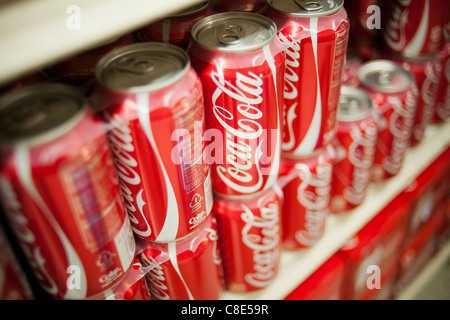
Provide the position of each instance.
(296, 266)
(37, 33)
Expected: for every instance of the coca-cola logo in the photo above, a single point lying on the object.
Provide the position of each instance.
(242, 157)
(313, 194)
(394, 31)
(292, 63)
(400, 125)
(213, 235)
(361, 155)
(155, 278)
(122, 148)
(261, 234)
(27, 239)
(290, 88)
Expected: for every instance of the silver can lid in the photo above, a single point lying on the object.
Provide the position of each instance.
(199, 7)
(234, 31)
(142, 67)
(306, 8)
(39, 113)
(385, 76)
(354, 104)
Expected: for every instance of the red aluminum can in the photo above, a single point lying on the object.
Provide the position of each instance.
(425, 72)
(176, 29)
(306, 186)
(257, 6)
(152, 101)
(316, 33)
(355, 145)
(250, 239)
(61, 193)
(442, 105)
(241, 65)
(415, 28)
(394, 96)
(79, 70)
(132, 287)
(188, 269)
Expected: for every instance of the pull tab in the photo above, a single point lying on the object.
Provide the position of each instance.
(140, 65)
(32, 114)
(309, 5)
(349, 105)
(231, 34)
(385, 78)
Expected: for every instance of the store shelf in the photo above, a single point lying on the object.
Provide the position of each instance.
(35, 34)
(296, 266)
(433, 268)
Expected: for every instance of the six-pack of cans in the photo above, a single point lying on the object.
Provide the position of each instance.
(179, 161)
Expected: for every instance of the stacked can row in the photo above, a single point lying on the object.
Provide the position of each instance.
(240, 75)
(383, 257)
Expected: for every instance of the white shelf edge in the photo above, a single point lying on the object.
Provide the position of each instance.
(296, 266)
(426, 274)
(34, 34)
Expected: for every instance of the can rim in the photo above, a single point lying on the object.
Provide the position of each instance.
(382, 64)
(54, 132)
(150, 46)
(190, 11)
(245, 16)
(363, 97)
(306, 13)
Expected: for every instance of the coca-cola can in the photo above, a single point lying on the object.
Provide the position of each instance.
(316, 34)
(241, 65)
(152, 101)
(257, 6)
(176, 28)
(250, 239)
(442, 106)
(79, 70)
(188, 269)
(355, 146)
(61, 193)
(414, 28)
(394, 95)
(306, 186)
(425, 72)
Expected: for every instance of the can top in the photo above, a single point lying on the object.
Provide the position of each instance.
(306, 8)
(354, 104)
(39, 113)
(234, 31)
(142, 67)
(385, 76)
(199, 7)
